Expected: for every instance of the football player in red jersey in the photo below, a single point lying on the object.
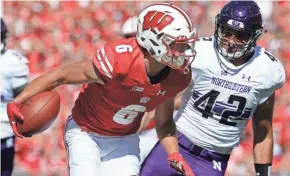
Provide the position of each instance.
(147, 133)
(126, 78)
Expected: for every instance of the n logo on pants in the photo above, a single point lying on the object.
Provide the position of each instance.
(217, 165)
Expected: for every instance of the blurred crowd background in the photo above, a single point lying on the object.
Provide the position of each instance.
(55, 33)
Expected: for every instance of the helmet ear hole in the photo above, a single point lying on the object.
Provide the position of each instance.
(159, 51)
(143, 39)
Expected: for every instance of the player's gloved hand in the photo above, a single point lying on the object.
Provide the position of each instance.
(178, 163)
(15, 116)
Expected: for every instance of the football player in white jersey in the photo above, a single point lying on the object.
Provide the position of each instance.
(14, 76)
(233, 80)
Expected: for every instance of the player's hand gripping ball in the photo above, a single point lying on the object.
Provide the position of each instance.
(35, 115)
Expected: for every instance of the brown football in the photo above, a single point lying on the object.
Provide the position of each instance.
(39, 113)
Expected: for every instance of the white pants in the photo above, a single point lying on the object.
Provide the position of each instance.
(92, 154)
(148, 139)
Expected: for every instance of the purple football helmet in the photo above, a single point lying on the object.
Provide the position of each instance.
(238, 26)
(4, 35)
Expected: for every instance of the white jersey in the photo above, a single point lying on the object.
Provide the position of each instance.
(222, 98)
(14, 73)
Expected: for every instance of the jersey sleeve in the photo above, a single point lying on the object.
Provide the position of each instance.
(115, 59)
(104, 62)
(276, 81)
(280, 77)
(19, 70)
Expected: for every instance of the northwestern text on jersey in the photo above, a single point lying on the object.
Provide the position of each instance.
(231, 85)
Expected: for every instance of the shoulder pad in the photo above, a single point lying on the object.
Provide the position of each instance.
(126, 51)
(273, 67)
(16, 64)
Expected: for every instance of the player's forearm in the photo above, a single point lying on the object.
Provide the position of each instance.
(76, 73)
(43, 83)
(167, 136)
(170, 144)
(263, 141)
(263, 151)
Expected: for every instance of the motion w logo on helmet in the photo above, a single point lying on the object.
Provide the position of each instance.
(154, 19)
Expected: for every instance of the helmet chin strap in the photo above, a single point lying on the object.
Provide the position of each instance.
(236, 55)
(231, 56)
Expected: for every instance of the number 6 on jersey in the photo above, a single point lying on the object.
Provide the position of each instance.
(123, 48)
(127, 115)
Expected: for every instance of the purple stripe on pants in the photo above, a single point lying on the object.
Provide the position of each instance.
(201, 161)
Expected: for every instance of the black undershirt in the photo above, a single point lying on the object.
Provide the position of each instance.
(160, 76)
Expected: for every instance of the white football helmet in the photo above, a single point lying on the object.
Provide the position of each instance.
(166, 31)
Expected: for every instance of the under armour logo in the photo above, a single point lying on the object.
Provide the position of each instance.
(161, 93)
(217, 165)
(247, 78)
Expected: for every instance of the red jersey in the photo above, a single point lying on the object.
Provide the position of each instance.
(116, 108)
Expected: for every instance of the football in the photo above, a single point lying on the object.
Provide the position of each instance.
(39, 113)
